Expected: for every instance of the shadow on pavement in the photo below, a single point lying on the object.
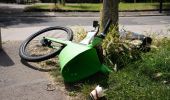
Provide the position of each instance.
(15, 15)
(36, 67)
(5, 60)
(9, 21)
(9, 10)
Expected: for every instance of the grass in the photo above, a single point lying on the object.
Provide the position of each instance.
(97, 6)
(147, 78)
(141, 6)
(142, 79)
(83, 6)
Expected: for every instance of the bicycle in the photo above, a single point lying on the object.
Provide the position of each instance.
(74, 58)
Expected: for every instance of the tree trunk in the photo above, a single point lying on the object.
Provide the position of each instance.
(134, 1)
(0, 40)
(110, 10)
(55, 2)
(63, 2)
(160, 6)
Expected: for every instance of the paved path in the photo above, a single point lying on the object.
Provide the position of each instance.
(18, 82)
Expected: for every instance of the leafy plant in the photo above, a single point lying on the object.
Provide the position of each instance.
(117, 50)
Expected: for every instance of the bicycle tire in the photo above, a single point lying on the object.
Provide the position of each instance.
(27, 57)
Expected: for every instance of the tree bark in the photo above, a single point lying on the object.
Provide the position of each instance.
(55, 2)
(0, 40)
(134, 1)
(160, 6)
(110, 10)
(63, 2)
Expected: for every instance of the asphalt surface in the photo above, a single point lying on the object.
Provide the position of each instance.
(19, 28)
(19, 82)
(20, 22)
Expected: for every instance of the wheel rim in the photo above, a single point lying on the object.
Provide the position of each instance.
(35, 50)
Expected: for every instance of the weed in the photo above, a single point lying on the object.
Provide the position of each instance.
(79, 33)
(119, 51)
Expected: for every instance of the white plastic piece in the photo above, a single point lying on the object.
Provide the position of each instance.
(97, 93)
(103, 34)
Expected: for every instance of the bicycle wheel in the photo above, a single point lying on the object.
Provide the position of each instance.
(35, 48)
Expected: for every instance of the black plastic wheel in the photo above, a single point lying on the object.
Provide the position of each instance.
(35, 49)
